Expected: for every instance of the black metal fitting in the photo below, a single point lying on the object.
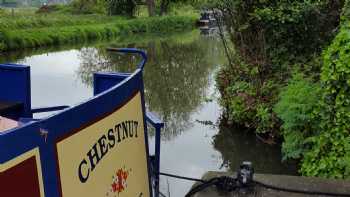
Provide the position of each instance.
(226, 183)
(245, 174)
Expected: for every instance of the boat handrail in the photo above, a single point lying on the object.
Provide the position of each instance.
(132, 51)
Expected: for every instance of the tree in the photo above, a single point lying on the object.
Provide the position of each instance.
(122, 7)
(164, 6)
(151, 7)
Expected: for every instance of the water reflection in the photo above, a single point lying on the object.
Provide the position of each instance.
(176, 75)
(21, 55)
(237, 146)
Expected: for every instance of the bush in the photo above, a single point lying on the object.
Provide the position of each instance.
(89, 7)
(295, 108)
(346, 12)
(247, 97)
(51, 8)
(157, 25)
(329, 155)
(268, 38)
(182, 9)
(122, 7)
(273, 32)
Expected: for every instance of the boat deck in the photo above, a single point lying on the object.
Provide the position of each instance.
(6, 107)
(6, 124)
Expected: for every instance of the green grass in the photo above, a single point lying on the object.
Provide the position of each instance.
(29, 21)
(31, 31)
(184, 10)
(17, 39)
(142, 39)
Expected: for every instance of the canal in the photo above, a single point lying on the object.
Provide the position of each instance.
(179, 88)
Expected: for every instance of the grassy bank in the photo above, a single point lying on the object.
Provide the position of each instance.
(142, 39)
(46, 30)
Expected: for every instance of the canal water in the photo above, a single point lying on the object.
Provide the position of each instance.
(179, 88)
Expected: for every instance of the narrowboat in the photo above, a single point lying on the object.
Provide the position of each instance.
(96, 148)
(207, 19)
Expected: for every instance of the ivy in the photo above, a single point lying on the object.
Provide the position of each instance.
(329, 155)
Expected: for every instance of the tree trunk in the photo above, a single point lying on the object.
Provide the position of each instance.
(151, 7)
(164, 7)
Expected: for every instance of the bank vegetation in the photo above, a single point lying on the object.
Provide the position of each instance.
(82, 21)
(289, 78)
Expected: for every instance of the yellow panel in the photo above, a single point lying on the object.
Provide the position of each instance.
(107, 158)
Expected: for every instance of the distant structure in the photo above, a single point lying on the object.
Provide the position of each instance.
(25, 3)
(9, 3)
(210, 17)
(51, 2)
(207, 18)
